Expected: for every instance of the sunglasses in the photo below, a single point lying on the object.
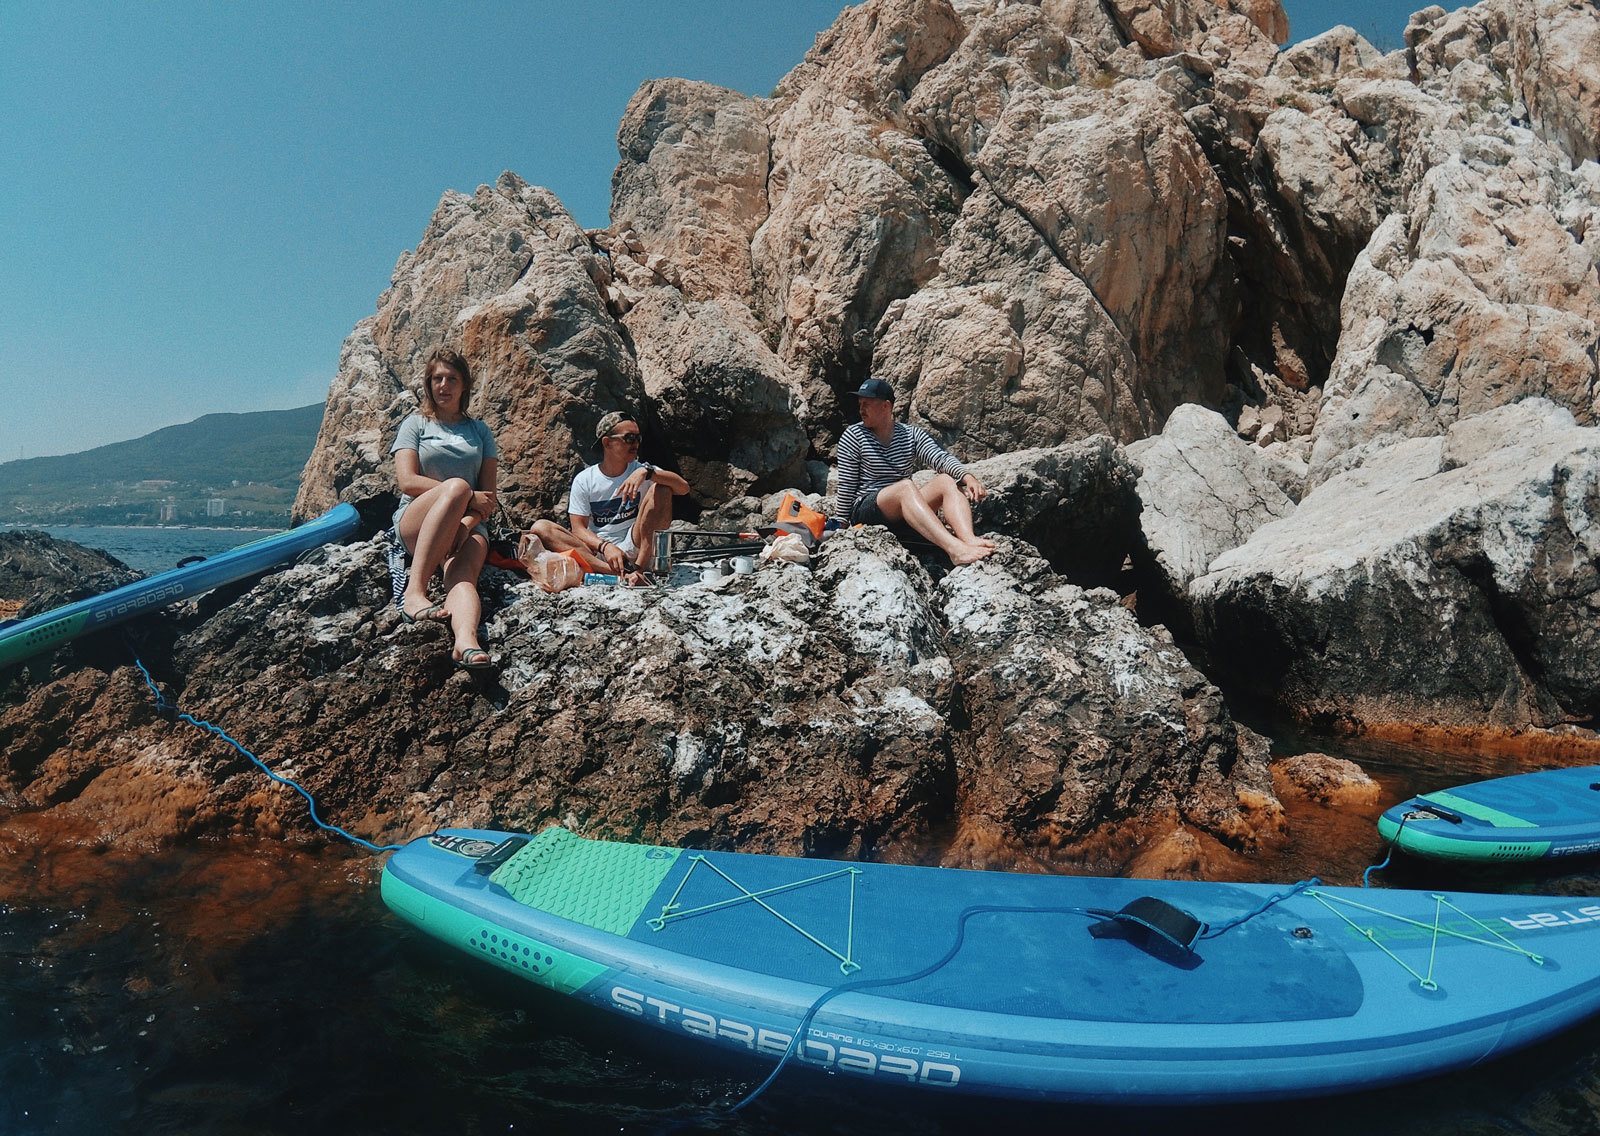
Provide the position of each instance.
(629, 439)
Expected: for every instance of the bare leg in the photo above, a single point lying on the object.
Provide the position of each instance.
(655, 514)
(430, 528)
(558, 539)
(902, 502)
(943, 495)
(461, 601)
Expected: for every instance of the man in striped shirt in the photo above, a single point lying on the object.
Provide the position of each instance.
(876, 458)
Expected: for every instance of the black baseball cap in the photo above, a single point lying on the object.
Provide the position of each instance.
(875, 388)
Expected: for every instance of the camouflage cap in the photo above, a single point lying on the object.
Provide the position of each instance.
(609, 422)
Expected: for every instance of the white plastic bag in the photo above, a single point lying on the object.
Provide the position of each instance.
(787, 547)
(529, 548)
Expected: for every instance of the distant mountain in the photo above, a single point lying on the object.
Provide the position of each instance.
(249, 462)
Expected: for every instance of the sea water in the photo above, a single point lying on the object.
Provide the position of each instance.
(246, 986)
(151, 548)
(239, 987)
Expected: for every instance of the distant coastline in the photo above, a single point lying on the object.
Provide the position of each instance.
(14, 526)
(152, 548)
(219, 471)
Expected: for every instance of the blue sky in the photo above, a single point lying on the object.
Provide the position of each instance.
(203, 198)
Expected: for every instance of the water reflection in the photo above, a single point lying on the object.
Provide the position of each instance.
(237, 987)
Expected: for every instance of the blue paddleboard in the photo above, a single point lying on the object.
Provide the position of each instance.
(1532, 816)
(28, 637)
(1005, 984)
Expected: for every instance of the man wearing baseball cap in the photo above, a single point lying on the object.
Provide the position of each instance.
(617, 505)
(876, 458)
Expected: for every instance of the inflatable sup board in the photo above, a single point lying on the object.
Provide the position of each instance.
(1532, 816)
(28, 637)
(1075, 988)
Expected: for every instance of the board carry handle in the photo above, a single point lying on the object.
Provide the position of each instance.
(499, 854)
(1155, 926)
(1427, 809)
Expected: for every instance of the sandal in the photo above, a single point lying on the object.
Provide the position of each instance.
(473, 659)
(433, 613)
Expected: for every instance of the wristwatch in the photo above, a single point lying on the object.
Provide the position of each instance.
(649, 471)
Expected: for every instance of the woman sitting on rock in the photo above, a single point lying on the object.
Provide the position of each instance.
(446, 467)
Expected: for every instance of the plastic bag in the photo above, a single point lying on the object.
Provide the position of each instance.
(528, 549)
(554, 572)
(787, 547)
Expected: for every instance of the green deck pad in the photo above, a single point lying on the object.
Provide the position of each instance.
(594, 882)
(1476, 811)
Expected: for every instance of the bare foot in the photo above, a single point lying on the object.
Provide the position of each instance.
(970, 554)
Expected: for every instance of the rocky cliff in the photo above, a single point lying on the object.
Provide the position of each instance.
(1308, 338)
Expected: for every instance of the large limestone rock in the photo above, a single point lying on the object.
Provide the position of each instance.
(872, 55)
(1448, 580)
(1121, 192)
(1306, 183)
(1009, 349)
(1241, 31)
(1543, 50)
(1078, 716)
(1480, 296)
(859, 207)
(1483, 287)
(860, 214)
(1008, 49)
(1093, 256)
(1202, 491)
(1075, 503)
(692, 181)
(1554, 47)
(508, 278)
(719, 393)
(857, 709)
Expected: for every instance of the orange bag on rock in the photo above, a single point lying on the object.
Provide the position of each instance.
(795, 515)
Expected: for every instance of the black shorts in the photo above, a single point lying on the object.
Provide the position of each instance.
(868, 513)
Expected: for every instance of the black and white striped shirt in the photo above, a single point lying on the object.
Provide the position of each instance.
(866, 465)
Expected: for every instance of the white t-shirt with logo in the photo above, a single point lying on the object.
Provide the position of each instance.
(598, 497)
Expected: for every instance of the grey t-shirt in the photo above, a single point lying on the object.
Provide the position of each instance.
(445, 449)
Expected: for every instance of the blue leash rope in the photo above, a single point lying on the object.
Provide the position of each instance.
(165, 707)
(870, 983)
(1366, 876)
(1270, 901)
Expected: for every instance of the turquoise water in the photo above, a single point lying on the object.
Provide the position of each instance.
(152, 549)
